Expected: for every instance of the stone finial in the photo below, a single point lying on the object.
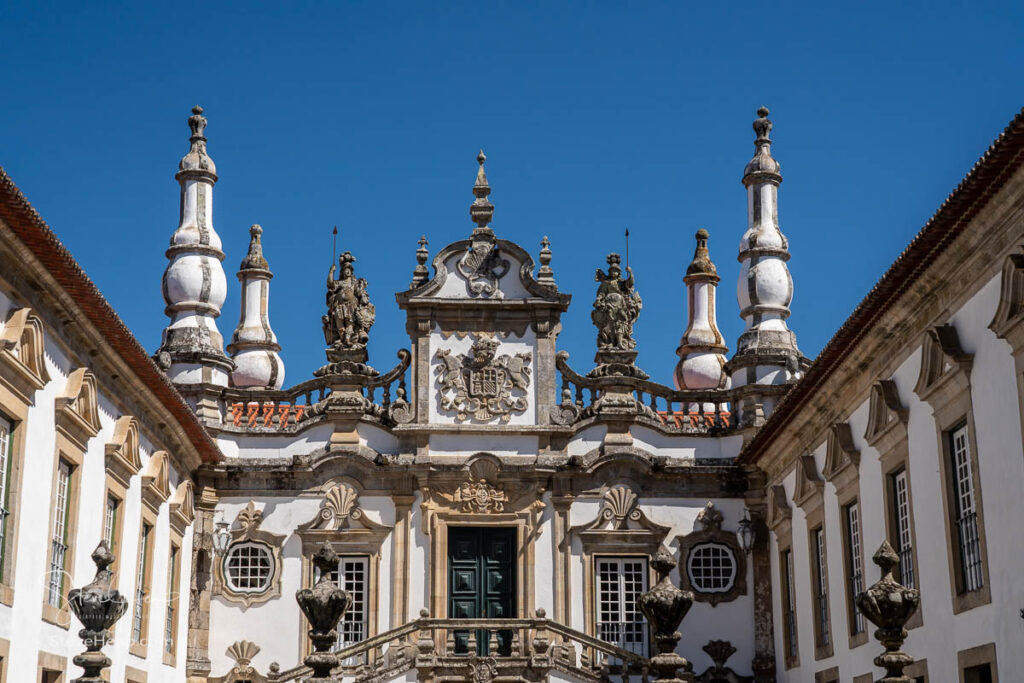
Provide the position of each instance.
(763, 125)
(763, 161)
(701, 263)
(197, 159)
(420, 274)
(197, 122)
(481, 211)
(889, 605)
(324, 604)
(545, 275)
(665, 605)
(254, 259)
(98, 607)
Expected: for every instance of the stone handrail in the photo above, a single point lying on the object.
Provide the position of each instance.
(428, 645)
(285, 410)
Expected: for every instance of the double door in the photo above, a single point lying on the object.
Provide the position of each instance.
(481, 582)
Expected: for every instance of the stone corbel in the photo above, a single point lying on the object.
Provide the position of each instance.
(22, 359)
(245, 529)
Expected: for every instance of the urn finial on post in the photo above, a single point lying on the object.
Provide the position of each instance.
(665, 605)
(889, 605)
(98, 607)
(323, 604)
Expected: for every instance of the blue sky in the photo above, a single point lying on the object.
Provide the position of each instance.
(594, 116)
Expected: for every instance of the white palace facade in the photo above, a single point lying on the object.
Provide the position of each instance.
(483, 476)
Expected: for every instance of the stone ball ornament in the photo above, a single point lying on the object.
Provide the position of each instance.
(98, 607)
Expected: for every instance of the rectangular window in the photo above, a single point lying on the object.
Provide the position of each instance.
(855, 579)
(788, 604)
(141, 587)
(978, 674)
(965, 512)
(820, 587)
(901, 526)
(171, 620)
(110, 522)
(59, 539)
(620, 582)
(353, 576)
(6, 464)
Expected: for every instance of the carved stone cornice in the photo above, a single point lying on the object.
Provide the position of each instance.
(22, 359)
(122, 451)
(247, 529)
(842, 459)
(620, 525)
(945, 368)
(887, 418)
(76, 411)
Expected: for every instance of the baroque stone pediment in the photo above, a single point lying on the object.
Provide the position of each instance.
(76, 408)
(809, 486)
(156, 486)
(621, 523)
(183, 510)
(1006, 323)
(340, 519)
(779, 510)
(122, 451)
(481, 384)
(842, 455)
(887, 418)
(21, 354)
(945, 367)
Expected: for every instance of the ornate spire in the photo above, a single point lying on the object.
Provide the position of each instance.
(766, 352)
(481, 211)
(702, 349)
(420, 274)
(254, 346)
(194, 286)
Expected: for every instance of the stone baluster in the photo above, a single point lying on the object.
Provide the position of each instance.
(665, 605)
(449, 644)
(492, 641)
(323, 604)
(426, 659)
(98, 607)
(889, 605)
(471, 643)
(516, 648)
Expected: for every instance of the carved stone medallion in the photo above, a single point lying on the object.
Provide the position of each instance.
(480, 384)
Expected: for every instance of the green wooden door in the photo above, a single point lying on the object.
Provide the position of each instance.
(481, 581)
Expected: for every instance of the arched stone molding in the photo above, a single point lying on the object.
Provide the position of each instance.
(183, 510)
(243, 652)
(720, 651)
(122, 451)
(247, 529)
(480, 493)
(22, 361)
(842, 459)
(156, 485)
(76, 409)
(710, 521)
(887, 418)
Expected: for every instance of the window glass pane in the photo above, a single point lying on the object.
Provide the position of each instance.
(141, 590)
(965, 513)
(821, 587)
(249, 568)
(620, 583)
(856, 579)
(6, 460)
(711, 568)
(904, 542)
(58, 543)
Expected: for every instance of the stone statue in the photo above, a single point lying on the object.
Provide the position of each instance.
(616, 308)
(349, 311)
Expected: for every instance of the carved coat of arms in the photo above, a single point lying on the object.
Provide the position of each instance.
(480, 384)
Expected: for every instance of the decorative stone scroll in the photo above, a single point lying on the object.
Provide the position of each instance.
(887, 418)
(945, 367)
(340, 515)
(122, 451)
(711, 534)
(76, 408)
(22, 361)
(841, 453)
(247, 529)
(480, 385)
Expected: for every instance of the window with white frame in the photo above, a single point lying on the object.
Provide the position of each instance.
(6, 465)
(821, 619)
(59, 539)
(901, 526)
(141, 587)
(352, 575)
(110, 511)
(249, 567)
(711, 568)
(855, 579)
(965, 511)
(620, 582)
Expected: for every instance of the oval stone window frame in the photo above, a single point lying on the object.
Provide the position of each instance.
(701, 585)
(708, 530)
(230, 579)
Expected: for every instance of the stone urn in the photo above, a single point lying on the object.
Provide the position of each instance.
(98, 607)
(889, 605)
(665, 605)
(324, 604)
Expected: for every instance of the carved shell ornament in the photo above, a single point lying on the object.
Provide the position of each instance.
(480, 384)
(243, 652)
(620, 506)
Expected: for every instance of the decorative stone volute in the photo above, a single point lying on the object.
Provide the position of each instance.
(98, 607)
(324, 604)
(889, 605)
(665, 605)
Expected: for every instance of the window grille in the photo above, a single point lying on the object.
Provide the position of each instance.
(856, 578)
(790, 604)
(249, 568)
(711, 568)
(904, 540)
(139, 611)
(59, 542)
(6, 459)
(352, 575)
(966, 512)
(110, 522)
(821, 588)
(620, 582)
(172, 601)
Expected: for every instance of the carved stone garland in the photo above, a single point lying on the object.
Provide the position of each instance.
(710, 521)
(247, 529)
(480, 384)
